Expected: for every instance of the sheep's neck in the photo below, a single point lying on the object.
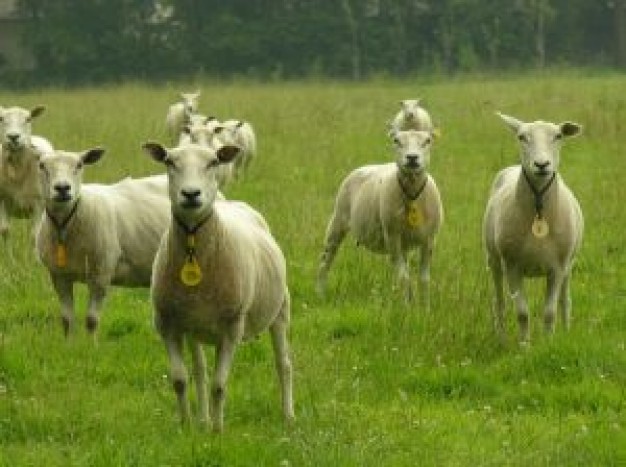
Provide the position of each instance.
(408, 182)
(540, 193)
(61, 230)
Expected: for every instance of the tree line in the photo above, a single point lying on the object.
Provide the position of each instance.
(91, 41)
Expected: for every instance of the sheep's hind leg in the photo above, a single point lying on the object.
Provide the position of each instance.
(335, 233)
(565, 303)
(426, 254)
(65, 292)
(224, 354)
(178, 374)
(97, 292)
(280, 343)
(516, 289)
(554, 283)
(199, 374)
(495, 266)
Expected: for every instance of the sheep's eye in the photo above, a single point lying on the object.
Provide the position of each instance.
(523, 138)
(558, 136)
(213, 163)
(169, 163)
(42, 167)
(79, 166)
(396, 141)
(427, 141)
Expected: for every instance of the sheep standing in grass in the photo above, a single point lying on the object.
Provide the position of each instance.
(390, 208)
(19, 182)
(180, 113)
(219, 277)
(411, 116)
(241, 134)
(100, 235)
(533, 224)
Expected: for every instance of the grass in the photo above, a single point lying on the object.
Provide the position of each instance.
(376, 383)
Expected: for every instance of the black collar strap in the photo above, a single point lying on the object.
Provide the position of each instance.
(60, 226)
(539, 193)
(406, 194)
(190, 232)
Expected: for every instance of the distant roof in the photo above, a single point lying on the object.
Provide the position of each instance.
(8, 9)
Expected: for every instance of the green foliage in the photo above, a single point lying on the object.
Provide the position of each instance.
(376, 382)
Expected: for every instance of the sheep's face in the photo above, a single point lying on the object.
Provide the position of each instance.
(199, 133)
(412, 150)
(410, 109)
(61, 174)
(190, 102)
(192, 171)
(16, 126)
(540, 144)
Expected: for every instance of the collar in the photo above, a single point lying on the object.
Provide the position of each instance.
(60, 226)
(538, 194)
(191, 232)
(405, 192)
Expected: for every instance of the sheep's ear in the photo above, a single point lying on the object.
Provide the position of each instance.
(239, 124)
(227, 153)
(91, 156)
(512, 122)
(218, 129)
(37, 111)
(186, 129)
(210, 119)
(156, 151)
(570, 129)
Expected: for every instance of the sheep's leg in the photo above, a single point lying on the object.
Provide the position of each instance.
(426, 255)
(335, 233)
(565, 302)
(495, 265)
(178, 373)
(64, 288)
(278, 331)
(554, 283)
(4, 221)
(224, 353)
(401, 265)
(516, 289)
(199, 373)
(97, 292)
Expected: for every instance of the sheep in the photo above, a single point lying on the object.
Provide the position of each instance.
(391, 209)
(96, 234)
(533, 224)
(219, 278)
(411, 116)
(241, 134)
(19, 183)
(180, 113)
(205, 132)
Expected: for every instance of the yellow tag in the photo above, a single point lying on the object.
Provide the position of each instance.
(61, 255)
(414, 216)
(191, 274)
(540, 227)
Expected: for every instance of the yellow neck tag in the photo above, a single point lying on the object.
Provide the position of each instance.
(414, 215)
(540, 227)
(61, 255)
(190, 273)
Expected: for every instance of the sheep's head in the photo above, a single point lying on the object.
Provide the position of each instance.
(200, 132)
(540, 144)
(190, 102)
(16, 126)
(412, 149)
(61, 174)
(191, 172)
(410, 108)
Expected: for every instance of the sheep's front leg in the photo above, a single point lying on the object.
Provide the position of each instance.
(178, 373)
(426, 254)
(335, 233)
(4, 221)
(278, 331)
(553, 292)
(97, 292)
(401, 265)
(64, 288)
(515, 280)
(199, 373)
(224, 353)
(495, 265)
(565, 302)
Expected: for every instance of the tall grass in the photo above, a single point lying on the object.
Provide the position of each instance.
(376, 383)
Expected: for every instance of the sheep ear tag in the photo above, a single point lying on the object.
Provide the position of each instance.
(190, 273)
(61, 255)
(414, 216)
(540, 227)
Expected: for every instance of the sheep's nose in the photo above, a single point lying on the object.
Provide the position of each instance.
(412, 159)
(190, 194)
(542, 165)
(62, 188)
(13, 137)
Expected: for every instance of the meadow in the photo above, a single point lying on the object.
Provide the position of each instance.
(376, 383)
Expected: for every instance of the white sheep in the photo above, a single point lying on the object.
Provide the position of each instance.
(533, 224)
(219, 278)
(100, 235)
(179, 114)
(391, 209)
(411, 116)
(20, 196)
(241, 134)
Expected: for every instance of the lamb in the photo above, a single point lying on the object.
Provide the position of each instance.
(180, 113)
(219, 278)
(533, 224)
(20, 196)
(412, 116)
(241, 134)
(100, 235)
(391, 209)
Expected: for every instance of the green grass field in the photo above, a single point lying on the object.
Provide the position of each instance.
(376, 383)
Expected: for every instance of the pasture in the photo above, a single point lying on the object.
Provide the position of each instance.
(375, 382)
